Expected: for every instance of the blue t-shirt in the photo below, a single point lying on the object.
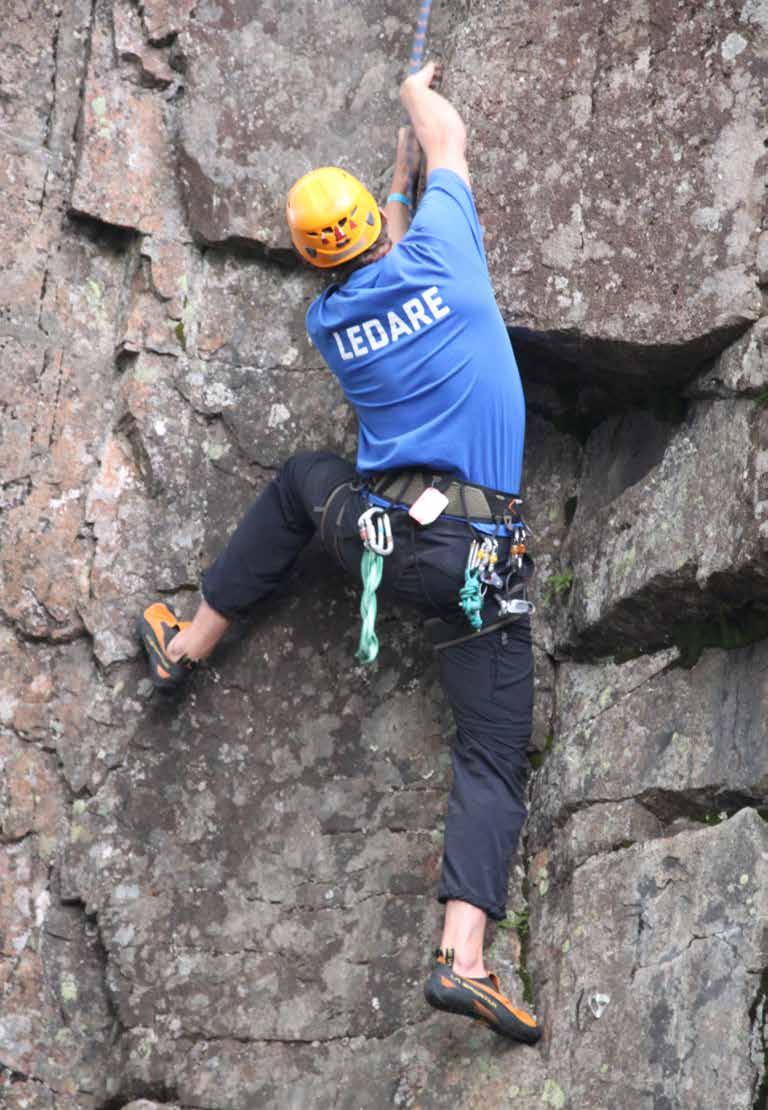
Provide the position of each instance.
(421, 351)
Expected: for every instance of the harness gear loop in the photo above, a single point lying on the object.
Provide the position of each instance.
(376, 534)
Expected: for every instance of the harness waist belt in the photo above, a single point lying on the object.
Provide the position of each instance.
(403, 487)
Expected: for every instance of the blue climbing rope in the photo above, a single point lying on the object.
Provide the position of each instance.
(415, 63)
(417, 50)
(372, 563)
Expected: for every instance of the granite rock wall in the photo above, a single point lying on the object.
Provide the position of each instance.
(227, 901)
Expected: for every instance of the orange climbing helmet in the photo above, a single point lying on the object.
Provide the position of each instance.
(332, 217)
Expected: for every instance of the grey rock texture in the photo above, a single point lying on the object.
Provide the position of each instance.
(679, 924)
(227, 901)
(671, 740)
(619, 173)
(674, 546)
(248, 129)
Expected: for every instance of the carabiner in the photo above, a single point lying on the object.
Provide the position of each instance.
(377, 537)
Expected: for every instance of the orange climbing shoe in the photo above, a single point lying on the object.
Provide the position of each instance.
(156, 627)
(480, 999)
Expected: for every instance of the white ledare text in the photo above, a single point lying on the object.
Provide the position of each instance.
(376, 333)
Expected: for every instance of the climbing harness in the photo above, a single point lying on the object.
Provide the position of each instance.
(497, 558)
(375, 530)
(465, 500)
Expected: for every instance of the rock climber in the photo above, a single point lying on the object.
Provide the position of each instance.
(411, 328)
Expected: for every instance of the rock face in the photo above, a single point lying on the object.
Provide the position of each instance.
(680, 543)
(247, 130)
(630, 730)
(227, 901)
(672, 931)
(619, 165)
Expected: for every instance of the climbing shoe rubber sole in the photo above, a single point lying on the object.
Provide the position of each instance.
(156, 627)
(482, 1000)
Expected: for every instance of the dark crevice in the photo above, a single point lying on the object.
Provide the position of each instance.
(43, 290)
(308, 1042)
(584, 379)
(54, 407)
(521, 923)
(731, 629)
(10, 1075)
(15, 492)
(54, 70)
(140, 76)
(163, 41)
(112, 238)
(524, 936)
(125, 360)
(92, 921)
(569, 510)
(78, 126)
(600, 55)
(648, 621)
(137, 1089)
(707, 805)
(129, 428)
(10, 841)
(249, 250)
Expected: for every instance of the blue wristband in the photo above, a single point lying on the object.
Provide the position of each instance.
(401, 198)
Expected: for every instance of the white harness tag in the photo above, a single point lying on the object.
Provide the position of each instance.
(428, 506)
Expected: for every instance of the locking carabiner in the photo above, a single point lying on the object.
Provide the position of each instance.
(376, 535)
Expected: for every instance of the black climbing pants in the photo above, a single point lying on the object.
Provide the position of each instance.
(487, 680)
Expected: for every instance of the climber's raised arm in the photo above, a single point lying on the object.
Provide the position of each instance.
(397, 206)
(439, 128)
